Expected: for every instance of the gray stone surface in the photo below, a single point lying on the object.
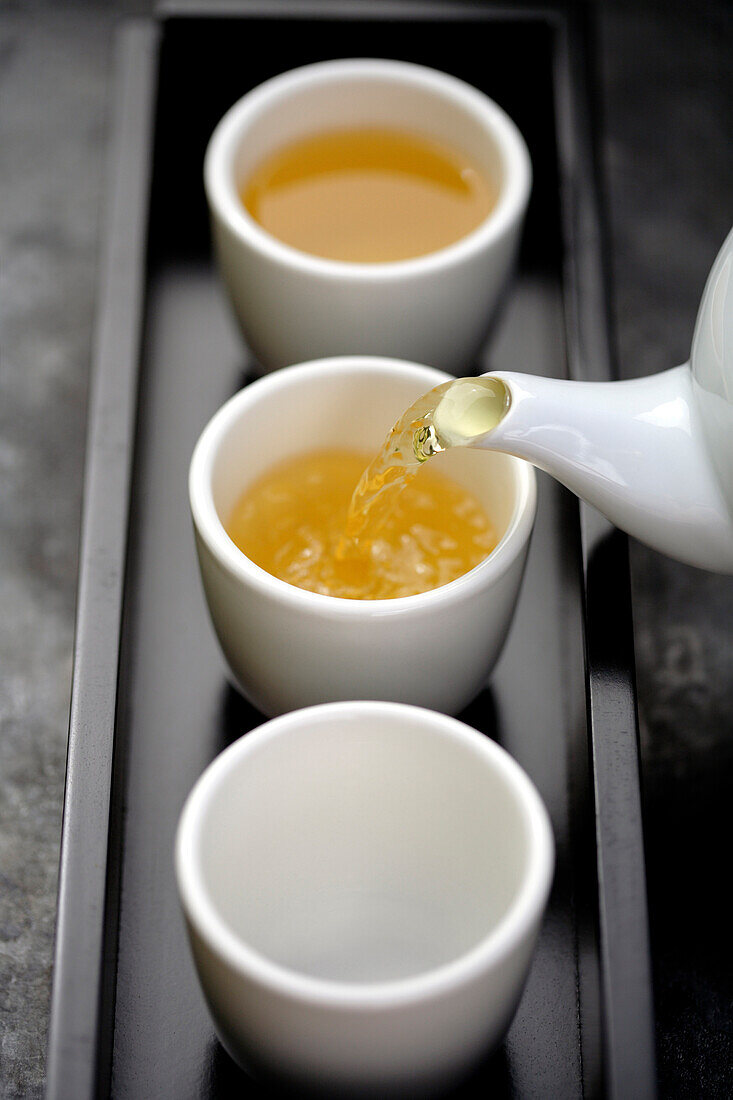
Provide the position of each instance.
(667, 158)
(53, 88)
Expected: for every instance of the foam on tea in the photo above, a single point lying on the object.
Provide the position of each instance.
(368, 195)
(291, 522)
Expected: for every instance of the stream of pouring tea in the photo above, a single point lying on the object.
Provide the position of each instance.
(451, 415)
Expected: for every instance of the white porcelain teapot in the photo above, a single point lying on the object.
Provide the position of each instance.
(654, 455)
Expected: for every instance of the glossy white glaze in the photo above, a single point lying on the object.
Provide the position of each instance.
(363, 884)
(288, 648)
(434, 309)
(712, 366)
(635, 450)
(654, 455)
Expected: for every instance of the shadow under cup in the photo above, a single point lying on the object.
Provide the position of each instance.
(288, 648)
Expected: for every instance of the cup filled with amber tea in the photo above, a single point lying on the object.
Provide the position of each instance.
(366, 206)
(343, 554)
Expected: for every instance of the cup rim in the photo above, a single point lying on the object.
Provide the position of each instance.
(224, 201)
(515, 923)
(211, 529)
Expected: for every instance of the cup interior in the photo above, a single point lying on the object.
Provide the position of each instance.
(363, 843)
(365, 93)
(350, 403)
(365, 100)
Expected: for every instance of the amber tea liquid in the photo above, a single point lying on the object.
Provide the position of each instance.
(368, 195)
(291, 522)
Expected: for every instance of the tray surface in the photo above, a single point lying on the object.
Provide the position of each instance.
(174, 709)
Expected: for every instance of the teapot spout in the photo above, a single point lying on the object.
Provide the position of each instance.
(635, 450)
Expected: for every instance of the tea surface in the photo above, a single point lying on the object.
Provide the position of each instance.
(368, 195)
(291, 522)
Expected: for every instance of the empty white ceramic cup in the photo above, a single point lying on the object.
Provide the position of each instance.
(293, 306)
(363, 884)
(288, 648)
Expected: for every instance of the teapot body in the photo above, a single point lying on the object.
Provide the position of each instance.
(712, 367)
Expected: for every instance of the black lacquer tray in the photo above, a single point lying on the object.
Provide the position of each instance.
(150, 704)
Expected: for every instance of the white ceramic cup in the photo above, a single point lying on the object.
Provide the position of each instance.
(288, 648)
(363, 884)
(433, 309)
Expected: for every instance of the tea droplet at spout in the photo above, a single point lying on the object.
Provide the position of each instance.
(469, 409)
(425, 442)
